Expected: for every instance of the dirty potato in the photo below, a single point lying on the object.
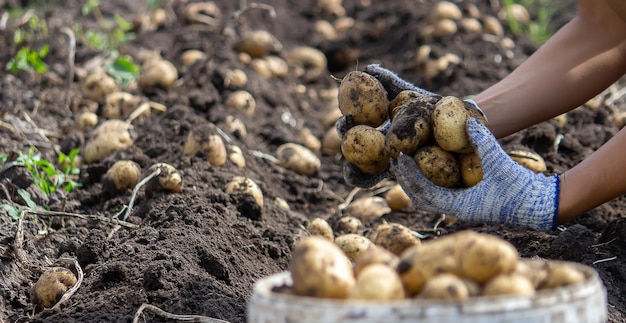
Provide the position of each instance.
(368, 208)
(205, 139)
(364, 98)
(471, 169)
(405, 96)
(445, 286)
(298, 158)
(320, 269)
(364, 146)
(410, 129)
(449, 123)
(320, 227)
(394, 237)
(169, 180)
(377, 282)
(107, 138)
(51, 286)
(353, 245)
(348, 224)
(245, 185)
(486, 256)
(439, 166)
(124, 174)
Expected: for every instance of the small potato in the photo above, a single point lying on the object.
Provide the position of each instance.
(509, 284)
(307, 57)
(407, 95)
(86, 121)
(202, 12)
(244, 185)
(364, 147)
(320, 269)
(375, 256)
(158, 73)
(98, 85)
(124, 174)
(109, 137)
(235, 79)
(471, 25)
(368, 208)
(445, 286)
(529, 159)
(353, 245)
(51, 286)
(298, 158)
(331, 142)
(492, 26)
(445, 27)
(190, 56)
(561, 274)
(119, 105)
(364, 98)
(236, 156)
(449, 118)
(445, 10)
(205, 139)
(258, 43)
(471, 169)
(410, 129)
(486, 256)
(320, 227)
(241, 100)
(236, 127)
(309, 140)
(397, 199)
(348, 224)
(394, 237)
(169, 180)
(377, 282)
(439, 166)
(535, 270)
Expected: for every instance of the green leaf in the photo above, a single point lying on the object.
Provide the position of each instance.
(26, 197)
(12, 210)
(123, 23)
(123, 70)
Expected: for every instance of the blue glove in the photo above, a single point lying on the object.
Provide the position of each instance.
(508, 193)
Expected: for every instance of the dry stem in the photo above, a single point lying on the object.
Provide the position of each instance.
(187, 318)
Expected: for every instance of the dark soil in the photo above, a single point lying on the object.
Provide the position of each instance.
(199, 251)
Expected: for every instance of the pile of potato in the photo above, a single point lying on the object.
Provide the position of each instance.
(432, 129)
(394, 265)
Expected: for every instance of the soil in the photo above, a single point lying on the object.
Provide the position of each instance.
(200, 251)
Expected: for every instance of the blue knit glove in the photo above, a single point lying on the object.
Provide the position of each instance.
(508, 193)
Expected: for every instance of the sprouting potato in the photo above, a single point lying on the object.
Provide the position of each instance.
(245, 185)
(51, 286)
(529, 159)
(169, 180)
(445, 286)
(320, 227)
(375, 256)
(119, 105)
(109, 137)
(439, 166)
(320, 269)
(397, 199)
(486, 256)
(86, 121)
(298, 158)
(410, 129)
(449, 122)
(258, 43)
(509, 284)
(158, 73)
(561, 274)
(190, 56)
(394, 237)
(368, 208)
(123, 174)
(377, 282)
(364, 147)
(348, 224)
(471, 169)
(97, 85)
(364, 98)
(241, 100)
(208, 142)
(353, 245)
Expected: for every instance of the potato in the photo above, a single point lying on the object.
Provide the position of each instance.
(471, 25)
(236, 79)
(158, 73)
(119, 105)
(445, 286)
(509, 284)
(236, 127)
(492, 26)
(331, 142)
(207, 141)
(364, 98)
(203, 12)
(364, 147)
(244, 185)
(298, 158)
(277, 66)
(444, 27)
(258, 43)
(236, 156)
(535, 270)
(169, 180)
(320, 227)
(51, 286)
(309, 140)
(397, 199)
(449, 119)
(439, 166)
(410, 129)
(307, 57)
(98, 85)
(353, 245)
(561, 274)
(408, 95)
(394, 237)
(529, 159)
(445, 10)
(241, 100)
(374, 256)
(377, 282)
(368, 208)
(86, 121)
(124, 174)
(486, 256)
(320, 269)
(471, 169)
(191, 56)
(111, 136)
(348, 224)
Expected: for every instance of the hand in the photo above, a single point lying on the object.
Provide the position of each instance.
(508, 192)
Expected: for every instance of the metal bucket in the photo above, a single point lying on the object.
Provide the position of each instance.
(585, 303)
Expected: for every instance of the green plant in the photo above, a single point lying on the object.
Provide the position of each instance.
(35, 28)
(13, 211)
(123, 70)
(114, 33)
(538, 29)
(28, 59)
(47, 177)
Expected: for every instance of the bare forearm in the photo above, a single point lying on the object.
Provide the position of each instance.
(597, 179)
(582, 59)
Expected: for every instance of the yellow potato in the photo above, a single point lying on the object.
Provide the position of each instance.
(449, 123)
(298, 158)
(375, 256)
(439, 166)
(169, 180)
(561, 274)
(320, 227)
(445, 286)
(204, 139)
(377, 282)
(486, 256)
(397, 199)
(364, 98)
(245, 185)
(471, 169)
(368, 208)
(348, 224)
(394, 237)
(529, 159)
(109, 137)
(364, 147)
(409, 95)
(509, 284)
(124, 174)
(410, 129)
(258, 43)
(51, 286)
(353, 245)
(158, 73)
(320, 269)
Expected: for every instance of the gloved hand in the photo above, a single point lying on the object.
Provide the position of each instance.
(508, 192)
